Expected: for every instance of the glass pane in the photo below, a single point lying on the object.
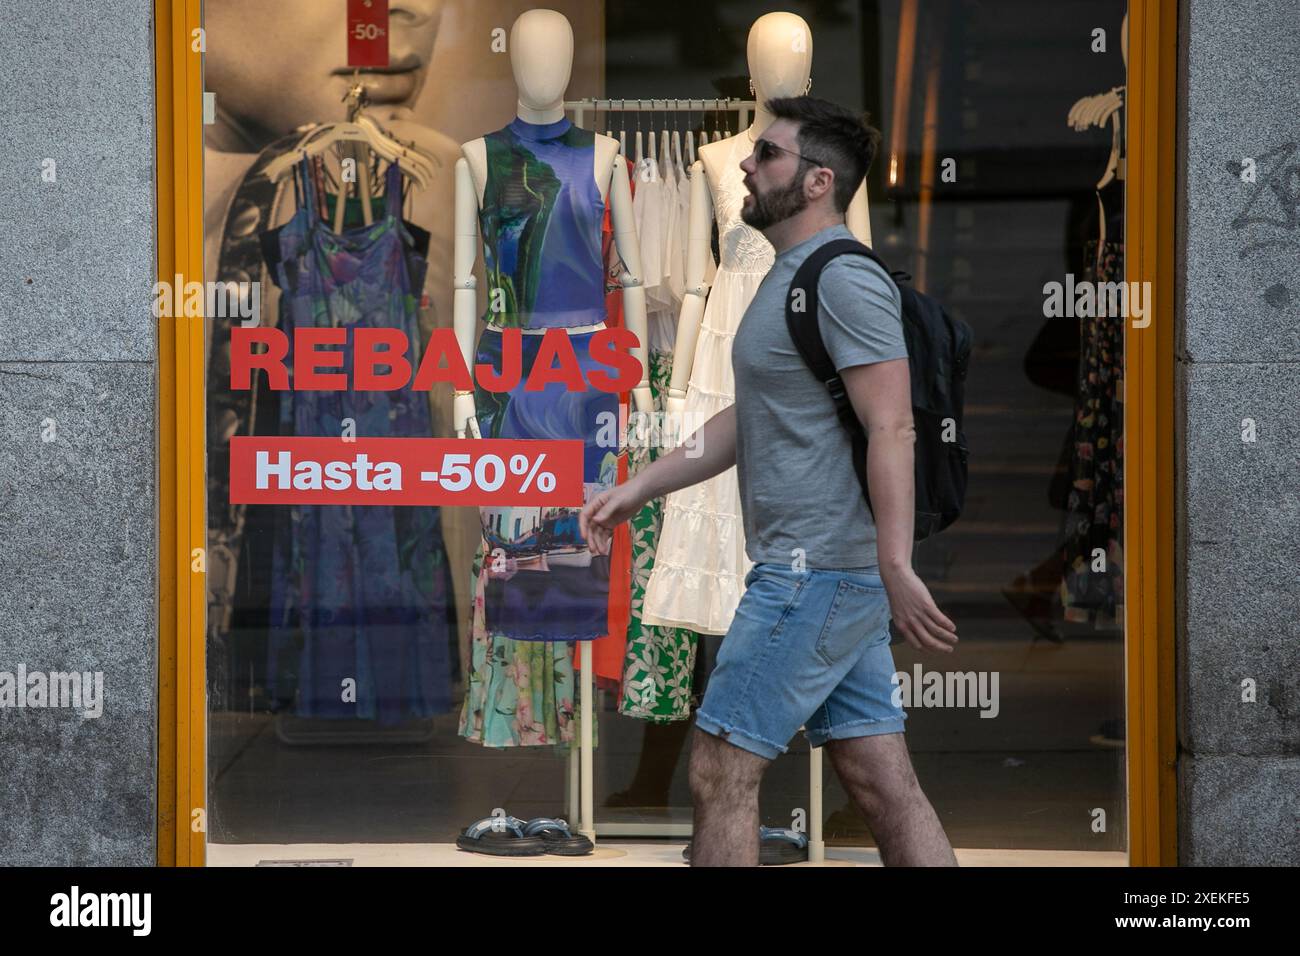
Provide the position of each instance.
(342, 650)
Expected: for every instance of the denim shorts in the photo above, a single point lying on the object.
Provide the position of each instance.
(805, 649)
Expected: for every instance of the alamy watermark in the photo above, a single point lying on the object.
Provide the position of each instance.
(75, 908)
(214, 300)
(656, 429)
(83, 691)
(1086, 299)
(924, 688)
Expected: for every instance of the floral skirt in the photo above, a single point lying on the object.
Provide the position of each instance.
(519, 693)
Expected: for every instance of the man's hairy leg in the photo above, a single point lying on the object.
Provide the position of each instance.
(724, 788)
(877, 773)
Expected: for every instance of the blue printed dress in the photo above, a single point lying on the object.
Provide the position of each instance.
(537, 586)
(367, 589)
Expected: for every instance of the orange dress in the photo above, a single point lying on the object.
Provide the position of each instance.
(607, 652)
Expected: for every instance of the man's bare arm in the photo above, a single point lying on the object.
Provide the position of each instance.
(881, 394)
(716, 441)
(882, 397)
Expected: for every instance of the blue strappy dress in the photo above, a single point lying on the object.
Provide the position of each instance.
(367, 589)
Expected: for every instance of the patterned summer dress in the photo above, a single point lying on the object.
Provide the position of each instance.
(538, 588)
(366, 589)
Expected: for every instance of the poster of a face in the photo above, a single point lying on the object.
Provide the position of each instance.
(278, 67)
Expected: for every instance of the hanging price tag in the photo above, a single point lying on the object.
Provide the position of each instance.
(367, 33)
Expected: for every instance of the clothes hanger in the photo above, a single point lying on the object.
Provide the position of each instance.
(677, 140)
(640, 145)
(353, 135)
(609, 131)
(622, 127)
(427, 164)
(665, 147)
(690, 136)
(361, 130)
(365, 132)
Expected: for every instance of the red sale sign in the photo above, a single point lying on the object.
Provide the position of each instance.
(405, 471)
(367, 33)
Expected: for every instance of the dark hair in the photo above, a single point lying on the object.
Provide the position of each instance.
(840, 139)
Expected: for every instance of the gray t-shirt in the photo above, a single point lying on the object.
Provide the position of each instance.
(798, 489)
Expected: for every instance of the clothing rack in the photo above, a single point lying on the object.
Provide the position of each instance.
(581, 788)
(744, 109)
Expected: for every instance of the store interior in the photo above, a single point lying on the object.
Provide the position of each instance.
(1000, 170)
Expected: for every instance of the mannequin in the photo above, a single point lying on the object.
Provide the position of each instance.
(541, 56)
(700, 565)
(778, 66)
(537, 202)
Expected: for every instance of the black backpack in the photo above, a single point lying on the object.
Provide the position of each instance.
(938, 353)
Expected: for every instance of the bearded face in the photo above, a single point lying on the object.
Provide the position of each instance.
(776, 204)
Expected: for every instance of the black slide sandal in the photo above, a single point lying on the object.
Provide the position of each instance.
(777, 847)
(500, 836)
(559, 840)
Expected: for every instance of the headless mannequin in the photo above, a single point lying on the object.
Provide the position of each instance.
(541, 55)
(779, 51)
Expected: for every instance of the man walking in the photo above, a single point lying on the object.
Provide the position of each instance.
(809, 643)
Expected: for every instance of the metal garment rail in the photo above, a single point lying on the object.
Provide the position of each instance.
(743, 108)
(581, 788)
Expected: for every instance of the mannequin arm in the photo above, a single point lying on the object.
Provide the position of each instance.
(465, 296)
(858, 216)
(699, 227)
(629, 252)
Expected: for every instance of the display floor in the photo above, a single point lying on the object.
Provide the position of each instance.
(1030, 780)
(659, 853)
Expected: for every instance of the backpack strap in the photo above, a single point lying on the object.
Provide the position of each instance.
(801, 318)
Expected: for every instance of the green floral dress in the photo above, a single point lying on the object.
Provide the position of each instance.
(659, 662)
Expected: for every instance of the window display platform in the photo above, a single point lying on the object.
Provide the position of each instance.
(656, 853)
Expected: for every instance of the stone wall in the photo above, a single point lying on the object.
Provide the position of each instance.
(78, 558)
(1238, 376)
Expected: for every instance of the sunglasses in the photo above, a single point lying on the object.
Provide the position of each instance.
(766, 150)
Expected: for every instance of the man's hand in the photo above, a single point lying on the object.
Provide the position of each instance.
(915, 614)
(605, 512)
(715, 443)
